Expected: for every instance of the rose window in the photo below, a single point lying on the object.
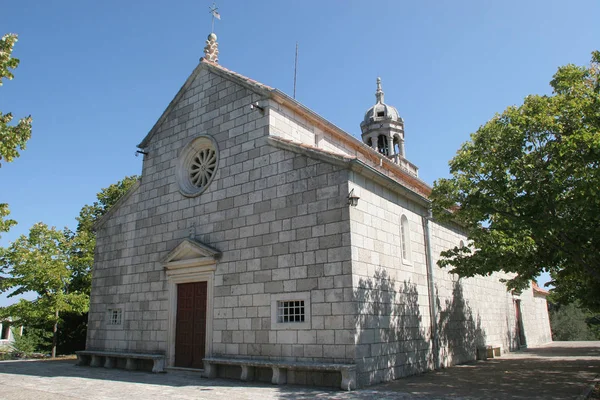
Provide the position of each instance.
(203, 167)
(197, 165)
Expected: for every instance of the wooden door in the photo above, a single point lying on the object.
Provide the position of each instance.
(190, 328)
(520, 330)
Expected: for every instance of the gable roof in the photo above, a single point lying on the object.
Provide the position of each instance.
(381, 164)
(538, 290)
(218, 70)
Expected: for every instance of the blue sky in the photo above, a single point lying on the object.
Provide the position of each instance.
(96, 76)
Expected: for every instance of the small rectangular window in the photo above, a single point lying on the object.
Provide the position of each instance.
(115, 316)
(5, 331)
(290, 311)
(380, 113)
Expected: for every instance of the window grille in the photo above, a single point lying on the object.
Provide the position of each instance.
(290, 311)
(115, 316)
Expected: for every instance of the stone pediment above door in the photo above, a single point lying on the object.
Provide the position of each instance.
(191, 254)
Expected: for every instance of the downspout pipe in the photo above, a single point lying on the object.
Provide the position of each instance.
(431, 289)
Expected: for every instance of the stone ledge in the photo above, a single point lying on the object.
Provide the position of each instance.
(106, 359)
(280, 369)
(120, 354)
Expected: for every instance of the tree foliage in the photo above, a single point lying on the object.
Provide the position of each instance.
(39, 263)
(570, 322)
(12, 137)
(526, 188)
(5, 224)
(32, 340)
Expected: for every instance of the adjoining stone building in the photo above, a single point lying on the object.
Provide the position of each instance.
(239, 240)
(7, 334)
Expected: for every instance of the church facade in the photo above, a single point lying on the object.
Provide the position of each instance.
(260, 230)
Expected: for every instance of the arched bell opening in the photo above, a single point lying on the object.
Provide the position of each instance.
(382, 145)
(397, 147)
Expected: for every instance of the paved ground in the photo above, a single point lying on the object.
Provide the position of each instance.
(561, 370)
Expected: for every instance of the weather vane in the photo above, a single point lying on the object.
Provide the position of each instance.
(215, 14)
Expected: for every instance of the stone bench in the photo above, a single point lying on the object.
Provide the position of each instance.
(489, 351)
(107, 359)
(280, 369)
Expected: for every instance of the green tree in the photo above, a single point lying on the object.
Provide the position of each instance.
(526, 188)
(32, 340)
(40, 263)
(5, 224)
(569, 322)
(12, 137)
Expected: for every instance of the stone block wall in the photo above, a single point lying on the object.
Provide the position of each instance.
(490, 309)
(300, 244)
(536, 321)
(393, 321)
(279, 218)
(289, 125)
(128, 272)
(472, 312)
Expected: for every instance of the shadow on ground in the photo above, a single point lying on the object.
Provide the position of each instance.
(560, 370)
(548, 372)
(60, 377)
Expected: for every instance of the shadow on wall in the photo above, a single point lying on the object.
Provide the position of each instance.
(460, 333)
(512, 337)
(391, 339)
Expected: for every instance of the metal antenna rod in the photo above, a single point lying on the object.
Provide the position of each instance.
(295, 69)
(215, 14)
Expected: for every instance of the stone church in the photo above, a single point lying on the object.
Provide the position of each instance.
(261, 231)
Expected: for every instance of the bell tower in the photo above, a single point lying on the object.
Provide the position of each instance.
(383, 130)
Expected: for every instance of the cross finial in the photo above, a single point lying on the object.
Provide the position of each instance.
(213, 10)
(379, 92)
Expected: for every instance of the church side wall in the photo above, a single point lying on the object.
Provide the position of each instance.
(480, 311)
(472, 312)
(393, 323)
(536, 321)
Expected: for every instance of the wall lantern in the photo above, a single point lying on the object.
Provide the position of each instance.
(352, 198)
(255, 106)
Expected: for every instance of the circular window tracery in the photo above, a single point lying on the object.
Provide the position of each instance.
(197, 165)
(203, 167)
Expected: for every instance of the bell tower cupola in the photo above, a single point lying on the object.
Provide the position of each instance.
(383, 130)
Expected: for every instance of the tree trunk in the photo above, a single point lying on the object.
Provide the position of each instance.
(55, 334)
